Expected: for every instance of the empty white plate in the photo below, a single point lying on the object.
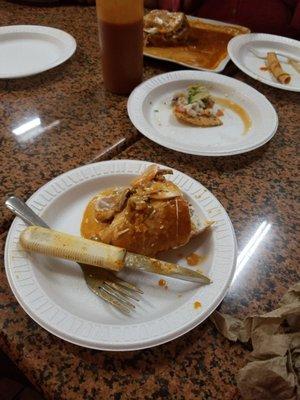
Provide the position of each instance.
(245, 60)
(29, 49)
(53, 291)
(150, 111)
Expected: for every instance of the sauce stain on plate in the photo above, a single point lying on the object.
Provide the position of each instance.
(194, 259)
(206, 48)
(197, 305)
(163, 283)
(240, 111)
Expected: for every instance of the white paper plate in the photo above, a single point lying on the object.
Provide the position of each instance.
(54, 294)
(30, 49)
(150, 112)
(220, 67)
(238, 49)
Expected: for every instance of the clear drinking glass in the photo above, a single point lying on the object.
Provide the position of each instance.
(121, 39)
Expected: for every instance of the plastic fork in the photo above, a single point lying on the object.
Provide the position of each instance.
(102, 283)
(263, 55)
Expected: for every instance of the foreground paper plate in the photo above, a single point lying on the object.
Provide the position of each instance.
(150, 111)
(53, 292)
(238, 49)
(30, 49)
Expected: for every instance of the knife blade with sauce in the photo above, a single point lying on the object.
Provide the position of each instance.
(57, 244)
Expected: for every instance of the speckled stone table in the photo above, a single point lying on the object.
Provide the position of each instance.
(75, 120)
(82, 123)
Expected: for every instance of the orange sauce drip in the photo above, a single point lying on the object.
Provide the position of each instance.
(162, 283)
(197, 305)
(237, 109)
(194, 259)
(207, 46)
(90, 227)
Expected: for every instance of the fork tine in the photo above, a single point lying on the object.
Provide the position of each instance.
(111, 300)
(253, 51)
(122, 290)
(109, 283)
(128, 285)
(116, 294)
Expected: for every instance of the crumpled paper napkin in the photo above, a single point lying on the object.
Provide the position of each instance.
(273, 370)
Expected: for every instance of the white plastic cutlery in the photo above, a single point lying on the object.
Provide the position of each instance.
(103, 283)
(85, 251)
(263, 55)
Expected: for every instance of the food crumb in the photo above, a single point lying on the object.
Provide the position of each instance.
(264, 68)
(155, 110)
(194, 259)
(179, 295)
(163, 283)
(197, 305)
(219, 113)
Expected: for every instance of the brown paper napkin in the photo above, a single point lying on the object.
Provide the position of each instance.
(273, 370)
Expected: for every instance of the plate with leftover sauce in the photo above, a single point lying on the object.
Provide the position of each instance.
(202, 113)
(189, 41)
(53, 291)
(273, 60)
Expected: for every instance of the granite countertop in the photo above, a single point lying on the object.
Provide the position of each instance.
(77, 120)
(81, 123)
